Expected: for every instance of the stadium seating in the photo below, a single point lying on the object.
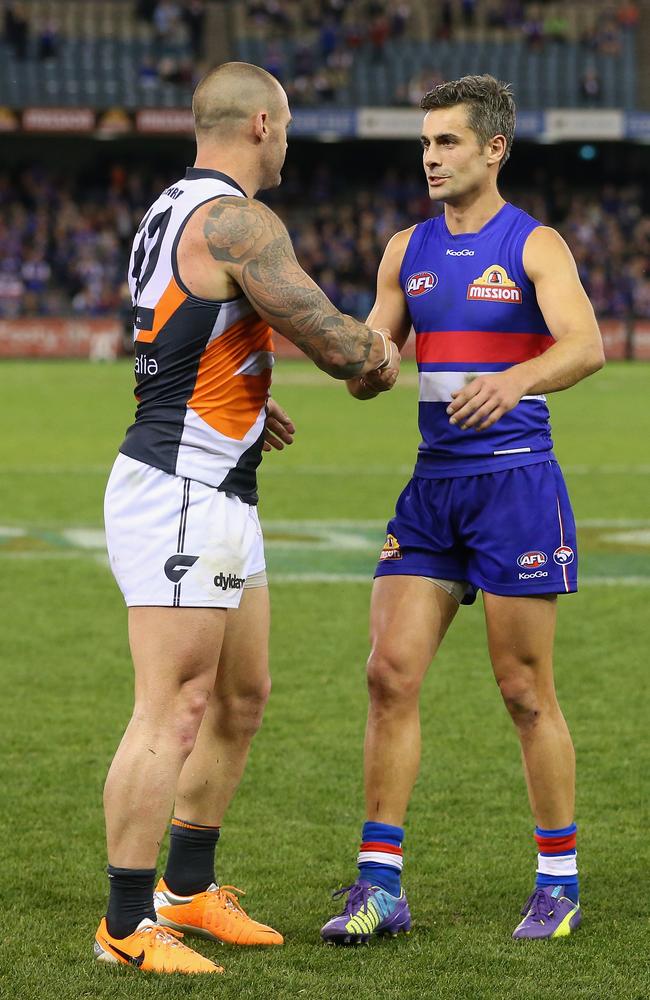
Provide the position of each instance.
(104, 54)
(545, 52)
(100, 57)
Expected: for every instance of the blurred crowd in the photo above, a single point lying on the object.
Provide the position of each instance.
(324, 38)
(177, 22)
(66, 240)
(178, 27)
(341, 239)
(310, 47)
(176, 33)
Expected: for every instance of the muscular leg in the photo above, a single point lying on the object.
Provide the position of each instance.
(520, 632)
(175, 654)
(212, 772)
(210, 777)
(409, 616)
(408, 620)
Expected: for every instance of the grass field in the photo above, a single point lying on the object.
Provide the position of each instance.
(291, 835)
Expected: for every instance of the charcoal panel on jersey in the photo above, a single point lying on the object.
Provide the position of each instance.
(242, 479)
(166, 371)
(154, 440)
(144, 318)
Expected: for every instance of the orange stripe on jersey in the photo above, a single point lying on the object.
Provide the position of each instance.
(167, 305)
(227, 402)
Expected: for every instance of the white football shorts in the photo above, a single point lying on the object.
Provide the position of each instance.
(175, 542)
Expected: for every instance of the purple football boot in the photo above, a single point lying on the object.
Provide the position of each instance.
(548, 914)
(369, 910)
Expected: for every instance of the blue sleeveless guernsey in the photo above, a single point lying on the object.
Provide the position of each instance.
(474, 311)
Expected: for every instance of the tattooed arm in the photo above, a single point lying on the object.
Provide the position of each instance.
(255, 249)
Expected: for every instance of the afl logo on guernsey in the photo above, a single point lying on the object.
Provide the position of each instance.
(418, 284)
(532, 560)
(494, 285)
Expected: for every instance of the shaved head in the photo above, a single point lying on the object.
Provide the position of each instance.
(229, 95)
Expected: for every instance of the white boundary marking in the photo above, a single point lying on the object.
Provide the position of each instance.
(330, 534)
(302, 578)
(592, 581)
(286, 469)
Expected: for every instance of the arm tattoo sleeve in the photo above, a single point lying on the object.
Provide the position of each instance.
(249, 236)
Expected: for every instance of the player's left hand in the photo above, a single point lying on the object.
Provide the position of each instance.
(484, 400)
(279, 428)
(380, 381)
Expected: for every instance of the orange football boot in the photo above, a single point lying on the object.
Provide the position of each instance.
(216, 914)
(151, 948)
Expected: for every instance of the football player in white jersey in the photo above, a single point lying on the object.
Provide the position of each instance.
(212, 270)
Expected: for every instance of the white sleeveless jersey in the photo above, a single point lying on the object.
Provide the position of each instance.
(202, 367)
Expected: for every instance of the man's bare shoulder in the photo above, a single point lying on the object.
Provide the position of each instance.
(395, 250)
(545, 250)
(398, 243)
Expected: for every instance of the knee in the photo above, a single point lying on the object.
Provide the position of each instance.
(179, 718)
(390, 679)
(522, 700)
(191, 706)
(240, 713)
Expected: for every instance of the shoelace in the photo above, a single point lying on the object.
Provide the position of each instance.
(358, 898)
(539, 905)
(170, 936)
(165, 935)
(227, 893)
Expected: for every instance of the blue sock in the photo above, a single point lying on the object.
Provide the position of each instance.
(556, 860)
(380, 856)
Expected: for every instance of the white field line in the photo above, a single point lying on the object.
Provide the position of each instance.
(640, 537)
(407, 470)
(284, 376)
(337, 533)
(51, 555)
(272, 467)
(592, 581)
(606, 470)
(302, 578)
(613, 522)
(57, 470)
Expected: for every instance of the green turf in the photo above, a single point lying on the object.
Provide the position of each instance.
(291, 835)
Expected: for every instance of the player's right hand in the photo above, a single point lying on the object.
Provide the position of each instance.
(279, 428)
(381, 380)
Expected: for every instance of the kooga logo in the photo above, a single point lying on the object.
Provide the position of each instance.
(460, 253)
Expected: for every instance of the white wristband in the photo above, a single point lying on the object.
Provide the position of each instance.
(385, 363)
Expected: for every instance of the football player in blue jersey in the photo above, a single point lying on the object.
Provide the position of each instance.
(500, 319)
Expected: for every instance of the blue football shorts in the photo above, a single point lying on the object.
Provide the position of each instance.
(510, 533)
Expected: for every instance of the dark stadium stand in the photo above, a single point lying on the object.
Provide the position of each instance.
(66, 232)
(361, 52)
(117, 52)
(555, 54)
